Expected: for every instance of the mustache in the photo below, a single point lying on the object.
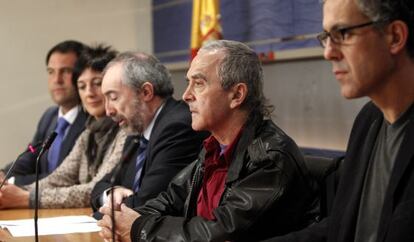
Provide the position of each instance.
(117, 118)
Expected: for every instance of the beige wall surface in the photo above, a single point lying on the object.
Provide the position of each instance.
(306, 96)
(29, 28)
(307, 100)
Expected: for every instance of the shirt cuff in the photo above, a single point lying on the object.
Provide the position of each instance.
(11, 180)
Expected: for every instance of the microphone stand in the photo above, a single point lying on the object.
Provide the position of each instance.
(31, 149)
(45, 147)
(128, 153)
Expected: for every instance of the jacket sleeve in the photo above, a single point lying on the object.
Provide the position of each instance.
(249, 199)
(63, 189)
(98, 190)
(314, 233)
(175, 148)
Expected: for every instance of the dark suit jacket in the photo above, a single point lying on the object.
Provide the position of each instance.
(173, 144)
(397, 217)
(24, 170)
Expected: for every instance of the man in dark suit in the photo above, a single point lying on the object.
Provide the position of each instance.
(138, 94)
(371, 47)
(60, 61)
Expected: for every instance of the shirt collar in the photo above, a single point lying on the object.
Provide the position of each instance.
(147, 132)
(226, 151)
(71, 115)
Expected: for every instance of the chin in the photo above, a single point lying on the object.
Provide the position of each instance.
(350, 95)
(197, 127)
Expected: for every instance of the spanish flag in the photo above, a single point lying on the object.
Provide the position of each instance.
(205, 23)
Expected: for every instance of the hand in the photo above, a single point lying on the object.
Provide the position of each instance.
(119, 194)
(12, 196)
(123, 223)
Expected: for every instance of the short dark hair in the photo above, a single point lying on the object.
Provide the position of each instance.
(67, 46)
(95, 57)
(390, 10)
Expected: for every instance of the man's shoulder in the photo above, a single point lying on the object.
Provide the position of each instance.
(365, 118)
(369, 110)
(175, 112)
(51, 111)
(172, 105)
(270, 133)
(269, 138)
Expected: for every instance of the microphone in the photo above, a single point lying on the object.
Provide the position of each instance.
(127, 155)
(32, 149)
(46, 145)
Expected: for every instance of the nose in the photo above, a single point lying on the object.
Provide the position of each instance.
(109, 110)
(188, 95)
(332, 51)
(89, 91)
(56, 77)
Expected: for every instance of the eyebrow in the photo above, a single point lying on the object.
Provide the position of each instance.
(337, 26)
(199, 76)
(109, 93)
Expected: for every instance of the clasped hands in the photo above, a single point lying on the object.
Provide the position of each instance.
(124, 216)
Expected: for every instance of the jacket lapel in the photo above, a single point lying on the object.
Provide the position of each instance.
(76, 128)
(403, 159)
(351, 183)
(169, 102)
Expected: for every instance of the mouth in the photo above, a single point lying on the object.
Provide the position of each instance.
(121, 122)
(339, 73)
(58, 90)
(95, 103)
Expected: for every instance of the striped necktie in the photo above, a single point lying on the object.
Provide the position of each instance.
(139, 164)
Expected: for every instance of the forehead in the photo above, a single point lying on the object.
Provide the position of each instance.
(89, 73)
(112, 80)
(338, 13)
(206, 62)
(59, 58)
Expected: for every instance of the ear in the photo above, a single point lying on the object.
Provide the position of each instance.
(397, 32)
(147, 91)
(238, 94)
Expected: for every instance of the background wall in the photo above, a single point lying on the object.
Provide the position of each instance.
(304, 92)
(30, 28)
(307, 101)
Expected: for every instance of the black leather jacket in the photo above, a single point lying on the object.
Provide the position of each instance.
(268, 192)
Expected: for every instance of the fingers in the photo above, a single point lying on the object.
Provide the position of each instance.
(105, 210)
(106, 229)
(106, 234)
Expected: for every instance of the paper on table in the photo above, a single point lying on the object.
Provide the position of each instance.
(55, 225)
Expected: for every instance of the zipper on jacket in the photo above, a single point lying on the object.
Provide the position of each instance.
(195, 188)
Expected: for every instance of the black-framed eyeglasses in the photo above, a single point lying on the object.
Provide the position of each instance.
(337, 36)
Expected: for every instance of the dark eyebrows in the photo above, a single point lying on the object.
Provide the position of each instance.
(199, 76)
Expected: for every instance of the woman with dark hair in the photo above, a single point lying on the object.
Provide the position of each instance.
(96, 152)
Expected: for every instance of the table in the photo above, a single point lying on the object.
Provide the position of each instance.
(44, 213)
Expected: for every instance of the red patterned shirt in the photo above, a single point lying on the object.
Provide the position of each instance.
(216, 164)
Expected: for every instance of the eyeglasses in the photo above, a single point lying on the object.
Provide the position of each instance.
(337, 36)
